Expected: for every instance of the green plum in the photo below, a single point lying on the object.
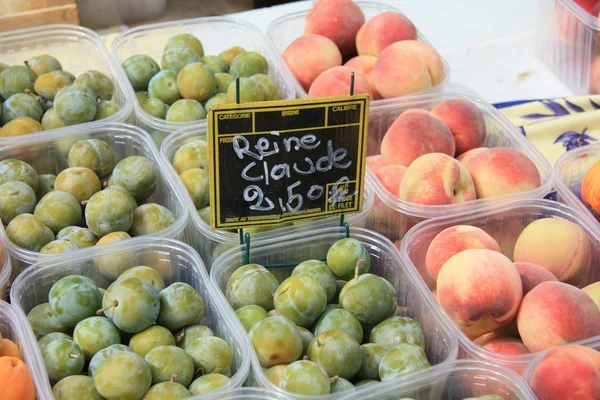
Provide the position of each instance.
(344, 255)
(58, 246)
(82, 183)
(105, 109)
(62, 358)
(43, 321)
(274, 373)
(57, 210)
(109, 211)
(20, 126)
(151, 218)
(338, 318)
(3, 66)
(340, 385)
(101, 84)
(250, 91)
(366, 382)
(134, 203)
(320, 271)
(131, 304)
(28, 232)
(204, 214)
(156, 108)
(196, 81)
(300, 298)
(137, 174)
(229, 54)
(75, 104)
(113, 265)
(211, 354)
(402, 359)
(208, 383)
(370, 298)
(103, 355)
(269, 87)
(123, 375)
(176, 57)
(46, 186)
(216, 64)
(251, 284)
(48, 84)
(187, 335)
(45, 340)
(150, 275)
(180, 305)
(16, 198)
(196, 182)
(190, 155)
(372, 354)
(163, 86)
(76, 387)
(170, 363)
(94, 334)
(139, 69)
(167, 391)
(307, 338)
(21, 105)
(249, 63)
(17, 170)
(276, 340)
(143, 342)
(50, 120)
(396, 330)
(43, 64)
(337, 352)
(81, 237)
(73, 299)
(187, 40)
(185, 110)
(94, 154)
(219, 98)
(306, 378)
(16, 79)
(273, 313)
(250, 315)
(223, 81)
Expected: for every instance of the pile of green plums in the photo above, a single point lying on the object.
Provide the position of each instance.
(40, 95)
(95, 201)
(190, 83)
(328, 327)
(135, 339)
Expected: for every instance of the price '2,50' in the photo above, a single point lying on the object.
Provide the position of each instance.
(294, 201)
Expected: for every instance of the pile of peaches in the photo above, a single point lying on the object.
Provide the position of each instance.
(383, 52)
(417, 161)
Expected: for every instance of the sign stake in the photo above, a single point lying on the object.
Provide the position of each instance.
(237, 90)
(352, 84)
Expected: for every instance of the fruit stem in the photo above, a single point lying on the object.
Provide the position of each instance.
(335, 378)
(75, 355)
(174, 378)
(357, 268)
(180, 336)
(101, 311)
(200, 372)
(305, 358)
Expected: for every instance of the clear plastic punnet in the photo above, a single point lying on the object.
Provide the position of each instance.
(48, 155)
(567, 41)
(503, 222)
(211, 243)
(216, 34)
(14, 326)
(393, 216)
(440, 343)
(569, 171)
(5, 272)
(245, 393)
(78, 50)
(284, 30)
(175, 262)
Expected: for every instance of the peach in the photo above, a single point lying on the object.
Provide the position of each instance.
(339, 20)
(382, 30)
(593, 291)
(393, 78)
(560, 246)
(336, 82)
(590, 187)
(309, 56)
(431, 57)
(465, 121)
(508, 330)
(505, 345)
(391, 176)
(436, 179)
(480, 290)
(532, 275)
(467, 156)
(594, 80)
(415, 133)
(364, 65)
(502, 171)
(555, 313)
(375, 162)
(567, 373)
(453, 240)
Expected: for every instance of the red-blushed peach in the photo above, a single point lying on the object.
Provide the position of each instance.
(480, 290)
(594, 80)
(375, 162)
(508, 330)
(431, 57)
(501, 171)
(398, 244)
(532, 275)
(556, 313)
(453, 240)
(590, 187)
(560, 246)
(336, 82)
(393, 78)
(593, 291)
(339, 20)
(466, 157)
(567, 373)
(309, 56)
(382, 30)
(390, 177)
(466, 122)
(436, 179)
(364, 65)
(506, 345)
(415, 133)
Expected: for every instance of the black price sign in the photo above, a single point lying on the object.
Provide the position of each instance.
(286, 160)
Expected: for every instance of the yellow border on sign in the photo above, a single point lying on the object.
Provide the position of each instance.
(213, 149)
